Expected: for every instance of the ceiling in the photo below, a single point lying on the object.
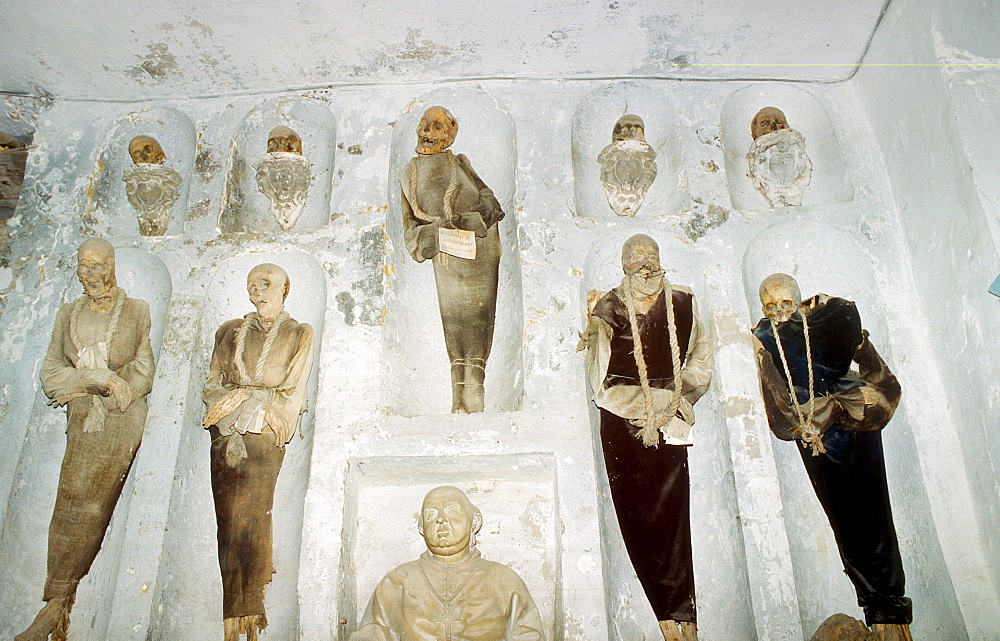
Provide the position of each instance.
(138, 49)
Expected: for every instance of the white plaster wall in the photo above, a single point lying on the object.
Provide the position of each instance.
(916, 218)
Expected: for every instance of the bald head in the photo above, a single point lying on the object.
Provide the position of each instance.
(629, 127)
(449, 522)
(96, 267)
(436, 131)
(267, 285)
(638, 250)
(284, 139)
(780, 297)
(767, 120)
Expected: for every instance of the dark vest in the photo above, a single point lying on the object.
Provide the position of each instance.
(655, 338)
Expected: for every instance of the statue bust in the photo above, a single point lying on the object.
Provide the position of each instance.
(451, 593)
(628, 166)
(151, 187)
(780, 169)
(283, 176)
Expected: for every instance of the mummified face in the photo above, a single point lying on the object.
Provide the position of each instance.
(767, 120)
(146, 150)
(267, 286)
(96, 268)
(284, 139)
(780, 297)
(629, 127)
(436, 131)
(641, 262)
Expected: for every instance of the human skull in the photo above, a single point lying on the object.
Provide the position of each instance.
(629, 127)
(146, 150)
(284, 139)
(767, 120)
(779, 297)
(436, 131)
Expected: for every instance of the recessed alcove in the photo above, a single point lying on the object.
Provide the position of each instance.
(39, 458)
(416, 374)
(108, 212)
(189, 565)
(516, 493)
(826, 260)
(593, 123)
(244, 207)
(831, 180)
(725, 609)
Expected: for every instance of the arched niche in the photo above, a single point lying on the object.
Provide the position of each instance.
(725, 609)
(417, 375)
(593, 123)
(826, 260)
(24, 545)
(244, 207)
(519, 502)
(108, 211)
(831, 180)
(190, 592)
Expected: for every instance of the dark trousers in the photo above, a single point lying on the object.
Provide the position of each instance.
(849, 481)
(651, 491)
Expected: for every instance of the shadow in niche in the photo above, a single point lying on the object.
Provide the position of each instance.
(593, 123)
(189, 599)
(829, 261)
(831, 180)
(416, 373)
(24, 544)
(244, 207)
(108, 212)
(518, 498)
(724, 606)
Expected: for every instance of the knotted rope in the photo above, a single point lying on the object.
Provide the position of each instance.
(806, 429)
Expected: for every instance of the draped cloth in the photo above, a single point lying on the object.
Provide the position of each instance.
(849, 478)
(650, 486)
(471, 600)
(96, 463)
(243, 486)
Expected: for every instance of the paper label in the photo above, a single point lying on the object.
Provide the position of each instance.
(457, 242)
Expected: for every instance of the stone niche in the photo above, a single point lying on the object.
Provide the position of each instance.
(189, 599)
(108, 212)
(416, 375)
(831, 180)
(725, 609)
(593, 123)
(35, 456)
(827, 260)
(244, 207)
(518, 498)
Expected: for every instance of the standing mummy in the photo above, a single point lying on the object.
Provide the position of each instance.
(450, 217)
(255, 392)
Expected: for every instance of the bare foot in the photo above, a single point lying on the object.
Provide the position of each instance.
(52, 619)
(892, 632)
(671, 631)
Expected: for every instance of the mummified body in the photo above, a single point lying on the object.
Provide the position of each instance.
(100, 366)
(648, 362)
(451, 593)
(255, 392)
(837, 414)
(441, 194)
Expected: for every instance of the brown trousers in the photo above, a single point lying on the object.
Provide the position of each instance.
(244, 496)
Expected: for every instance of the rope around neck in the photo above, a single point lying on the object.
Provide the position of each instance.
(241, 340)
(116, 314)
(650, 431)
(449, 193)
(810, 436)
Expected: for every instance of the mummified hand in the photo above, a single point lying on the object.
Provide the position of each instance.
(225, 406)
(121, 391)
(470, 221)
(281, 428)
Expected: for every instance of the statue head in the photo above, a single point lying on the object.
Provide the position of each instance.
(267, 286)
(146, 150)
(629, 127)
(284, 139)
(436, 131)
(779, 297)
(641, 263)
(449, 522)
(767, 120)
(96, 268)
